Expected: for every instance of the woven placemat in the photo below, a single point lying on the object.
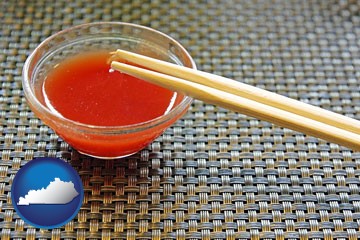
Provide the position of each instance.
(214, 174)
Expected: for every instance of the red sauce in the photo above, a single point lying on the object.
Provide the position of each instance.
(84, 90)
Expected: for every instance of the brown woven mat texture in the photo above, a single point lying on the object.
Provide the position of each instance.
(215, 174)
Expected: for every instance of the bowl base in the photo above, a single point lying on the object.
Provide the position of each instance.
(107, 158)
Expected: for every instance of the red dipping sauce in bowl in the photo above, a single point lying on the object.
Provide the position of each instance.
(84, 89)
(68, 83)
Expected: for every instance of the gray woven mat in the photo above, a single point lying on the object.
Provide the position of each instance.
(215, 174)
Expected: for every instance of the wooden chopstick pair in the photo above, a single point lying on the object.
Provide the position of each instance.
(243, 98)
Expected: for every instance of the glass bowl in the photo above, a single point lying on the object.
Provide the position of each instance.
(105, 142)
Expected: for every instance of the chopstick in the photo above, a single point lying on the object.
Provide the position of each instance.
(243, 98)
(243, 90)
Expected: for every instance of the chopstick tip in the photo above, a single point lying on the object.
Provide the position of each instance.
(114, 56)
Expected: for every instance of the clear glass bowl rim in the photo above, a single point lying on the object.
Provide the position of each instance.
(32, 99)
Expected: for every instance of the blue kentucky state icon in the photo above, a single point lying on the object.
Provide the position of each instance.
(47, 192)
